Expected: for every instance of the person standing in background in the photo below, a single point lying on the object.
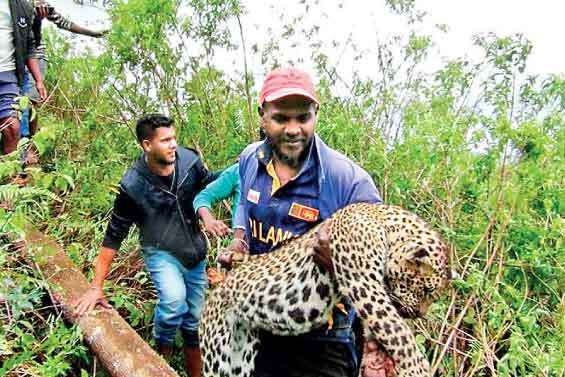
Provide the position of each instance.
(43, 10)
(17, 44)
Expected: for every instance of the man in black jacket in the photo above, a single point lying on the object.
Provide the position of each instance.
(156, 194)
(16, 46)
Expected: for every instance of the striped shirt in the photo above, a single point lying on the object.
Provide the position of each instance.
(61, 22)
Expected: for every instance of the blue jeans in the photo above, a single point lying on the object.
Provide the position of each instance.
(180, 294)
(29, 89)
(24, 121)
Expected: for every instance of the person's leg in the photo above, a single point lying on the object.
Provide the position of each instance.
(10, 134)
(34, 97)
(196, 282)
(33, 124)
(171, 307)
(32, 155)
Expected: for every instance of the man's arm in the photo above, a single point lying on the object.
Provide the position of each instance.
(77, 29)
(95, 294)
(33, 66)
(238, 243)
(354, 185)
(220, 189)
(212, 225)
(123, 215)
(42, 9)
(241, 217)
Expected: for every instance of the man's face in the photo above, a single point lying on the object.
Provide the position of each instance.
(289, 128)
(162, 147)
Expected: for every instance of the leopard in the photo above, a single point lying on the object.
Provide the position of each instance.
(388, 261)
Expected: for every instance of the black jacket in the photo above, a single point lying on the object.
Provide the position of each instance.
(166, 218)
(23, 18)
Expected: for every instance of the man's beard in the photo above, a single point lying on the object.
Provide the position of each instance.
(293, 160)
(164, 162)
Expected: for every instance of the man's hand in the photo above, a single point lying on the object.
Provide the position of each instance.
(376, 363)
(41, 90)
(215, 227)
(225, 259)
(41, 9)
(89, 300)
(237, 245)
(101, 33)
(322, 251)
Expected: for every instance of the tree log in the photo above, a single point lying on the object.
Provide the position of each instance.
(122, 352)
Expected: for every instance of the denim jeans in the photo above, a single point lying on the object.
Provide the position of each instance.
(24, 120)
(180, 294)
(29, 89)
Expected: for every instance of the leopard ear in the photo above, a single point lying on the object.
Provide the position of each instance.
(419, 258)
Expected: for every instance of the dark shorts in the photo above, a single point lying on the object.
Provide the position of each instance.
(8, 93)
(284, 356)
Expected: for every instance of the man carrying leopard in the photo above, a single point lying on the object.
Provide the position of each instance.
(291, 182)
(386, 260)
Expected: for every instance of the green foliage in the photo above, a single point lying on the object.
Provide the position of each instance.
(401, 6)
(476, 148)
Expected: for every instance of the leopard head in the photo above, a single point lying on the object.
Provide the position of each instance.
(416, 273)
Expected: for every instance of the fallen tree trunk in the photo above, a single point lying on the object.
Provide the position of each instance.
(122, 352)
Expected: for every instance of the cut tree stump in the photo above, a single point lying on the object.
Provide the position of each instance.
(122, 352)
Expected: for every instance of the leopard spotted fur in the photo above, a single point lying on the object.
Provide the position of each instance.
(386, 260)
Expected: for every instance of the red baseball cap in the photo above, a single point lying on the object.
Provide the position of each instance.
(284, 82)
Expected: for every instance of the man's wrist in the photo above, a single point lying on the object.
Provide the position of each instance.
(242, 242)
(239, 232)
(204, 214)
